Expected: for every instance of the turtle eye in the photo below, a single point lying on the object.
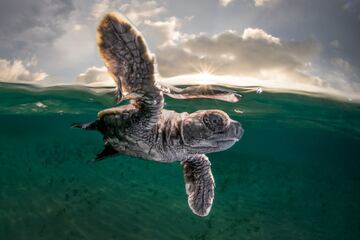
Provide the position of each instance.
(213, 121)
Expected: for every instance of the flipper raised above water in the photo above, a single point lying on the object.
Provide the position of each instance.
(131, 65)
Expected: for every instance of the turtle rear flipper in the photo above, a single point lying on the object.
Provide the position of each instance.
(108, 151)
(199, 184)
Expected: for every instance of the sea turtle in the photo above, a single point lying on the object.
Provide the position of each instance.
(144, 129)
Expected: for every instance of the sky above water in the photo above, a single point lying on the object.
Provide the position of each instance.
(296, 44)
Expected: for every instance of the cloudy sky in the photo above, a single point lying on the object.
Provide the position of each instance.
(285, 43)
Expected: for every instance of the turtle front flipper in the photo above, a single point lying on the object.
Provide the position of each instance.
(199, 183)
(202, 91)
(131, 65)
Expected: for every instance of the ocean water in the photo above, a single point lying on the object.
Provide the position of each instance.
(294, 175)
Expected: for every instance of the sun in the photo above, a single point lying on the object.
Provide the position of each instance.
(205, 74)
(205, 78)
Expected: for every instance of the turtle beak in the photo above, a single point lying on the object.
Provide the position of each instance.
(235, 129)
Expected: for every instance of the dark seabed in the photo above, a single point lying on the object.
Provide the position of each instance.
(294, 175)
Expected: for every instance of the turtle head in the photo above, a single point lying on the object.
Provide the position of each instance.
(208, 131)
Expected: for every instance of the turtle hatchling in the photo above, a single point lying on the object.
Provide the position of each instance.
(144, 129)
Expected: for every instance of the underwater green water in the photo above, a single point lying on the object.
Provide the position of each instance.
(294, 175)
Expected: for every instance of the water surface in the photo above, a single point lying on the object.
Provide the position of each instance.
(294, 175)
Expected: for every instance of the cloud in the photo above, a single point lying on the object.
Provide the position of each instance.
(61, 33)
(352, 7)
(342, 63)
(261, 3)
(99, 8)
(162, 33)
(16, 71)
(259, 34)
(74, 47)
(335, 43)
(136, 11)
(224, 3)
(95, 76)
(342, 75)
(32, 28)
(254, 53)
(28, 24)
(148, 17)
